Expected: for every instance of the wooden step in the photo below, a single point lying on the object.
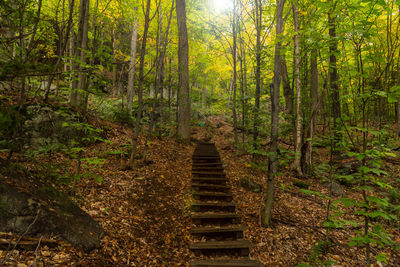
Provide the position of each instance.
(206, 152)
(203, 156)
(235, 232)
(213, 206)
(208, 174)
(210, 180)
(206, 164)
(222, 196)
(225, 263)
(208, 169)
(242, 247)
(215, 218)
(208, 161)
(210, 187)
(204, 143)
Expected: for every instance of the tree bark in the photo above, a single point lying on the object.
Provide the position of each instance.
(333, 73)
(130, 90)
(77, 97)
(287, 90)
(114, 91)
(63, 47)
(314, 87)
(299, 118)
(398, 99)
(183, 55)
(258, 16)
(159, 77)
(140, 85)
(266, 207)
(234, 54)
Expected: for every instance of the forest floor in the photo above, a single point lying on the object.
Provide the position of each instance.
(145, 212)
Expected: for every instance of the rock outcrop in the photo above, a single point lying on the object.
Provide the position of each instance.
(47, 212)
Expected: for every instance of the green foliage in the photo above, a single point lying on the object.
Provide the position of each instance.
(87, 135)
(374, 207)
(12, 117)
(123, 116)
(316, 257)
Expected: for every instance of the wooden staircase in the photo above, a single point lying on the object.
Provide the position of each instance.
(216, 225)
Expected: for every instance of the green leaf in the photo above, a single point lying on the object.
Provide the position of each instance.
(376, 214)
(311, 192)
(379, 201)
(380, 93)
(347, 202)
(382, 257)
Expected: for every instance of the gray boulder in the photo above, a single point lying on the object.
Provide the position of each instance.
(250, 185)
(47, 212)
(337, 190)
(45, 128)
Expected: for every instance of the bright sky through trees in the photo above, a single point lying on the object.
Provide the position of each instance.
(221, 5)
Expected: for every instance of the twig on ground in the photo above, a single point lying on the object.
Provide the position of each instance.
(36, 252)
(8, 255)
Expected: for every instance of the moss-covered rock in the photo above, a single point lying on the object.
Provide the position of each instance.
(47, 212)
(250, 185)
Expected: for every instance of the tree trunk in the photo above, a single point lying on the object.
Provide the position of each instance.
(114, 91)
(234, 50)
(183, 54)
(258, 16)
(242, 74)
(287, 90)
(169, 83)
(77, 97)
(333, 73)
(266, 207)
(315, 104)
(398, 99)
(63, 48)
(244, 93)
(140, 85)
(299, 118)
(130, 90)
(159, 77)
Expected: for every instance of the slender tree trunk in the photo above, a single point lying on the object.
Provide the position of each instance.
(169, 83)
(245, 104)
(204, 97)
(398, 99)
(299, 118)
(72, 62)
(287, 90)
(333, 73)
(234, 54)
(266, 207)
(184, 98)
(159, 77)
(315, 103)
(82, 77)
(63, 47)
(130, 90)
(243, 97)
(140, 85)
(114, 91)
(258, 16)
(77, 97)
